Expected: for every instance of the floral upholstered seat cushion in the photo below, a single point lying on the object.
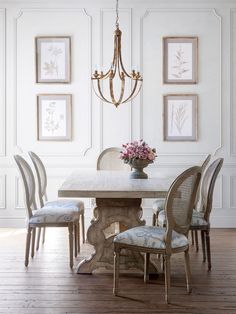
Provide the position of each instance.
(197, 219)
(54, 215)
(62, 204)
(150, 237)
(162, 219)
(158, 205)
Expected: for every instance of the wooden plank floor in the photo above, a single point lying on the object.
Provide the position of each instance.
(49, 286)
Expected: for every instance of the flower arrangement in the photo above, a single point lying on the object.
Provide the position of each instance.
(137, 150)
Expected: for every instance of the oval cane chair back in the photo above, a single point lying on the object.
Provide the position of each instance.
(28, 183)
(208, 185)
(109, 159)
(180, 202)
(41, 177)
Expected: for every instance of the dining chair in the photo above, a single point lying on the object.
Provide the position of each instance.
(60, 204)
(109, 159)
(201, 215)
(165, 241)
(158, 204)
(43, 216)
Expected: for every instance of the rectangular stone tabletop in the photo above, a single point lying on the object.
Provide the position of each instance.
(113, 184)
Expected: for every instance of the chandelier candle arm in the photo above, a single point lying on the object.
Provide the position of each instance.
(117, 69)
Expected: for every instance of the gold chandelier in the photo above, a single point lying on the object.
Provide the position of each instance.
(118, 72)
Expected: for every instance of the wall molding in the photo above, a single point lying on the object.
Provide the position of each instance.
(3, 96)
(20, 14)
(194, 10)
(232, 52)
(18, 205)
(232, 204)
(102, 11)
(3, 179)
(220, 186)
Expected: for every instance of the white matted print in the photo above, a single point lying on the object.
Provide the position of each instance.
(54, 117)
(180, 60)
(53, 59)
(180, 118)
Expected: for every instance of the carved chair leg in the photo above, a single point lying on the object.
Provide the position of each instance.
(187, 271)
(83, 229)
(146, 266)
(70, 229)
(154, 219)
(44, 231)
(163, 263)
(167, 278)
(75, 239)
(203, 245)
(196, 240)
(208, 247)
(78, 237)
(38, 238)
(27, 249)
(33, 242)
(192, 236)
(116, 271)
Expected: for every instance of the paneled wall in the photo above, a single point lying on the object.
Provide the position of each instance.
(96, 126)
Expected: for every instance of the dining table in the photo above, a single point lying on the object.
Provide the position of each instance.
(118, 202)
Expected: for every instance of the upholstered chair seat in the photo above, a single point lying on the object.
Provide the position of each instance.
(150, 237)
(197, 219)
(158, 206)
(62, 204)
(53, 215)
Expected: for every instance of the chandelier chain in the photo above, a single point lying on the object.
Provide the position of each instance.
(117, 13)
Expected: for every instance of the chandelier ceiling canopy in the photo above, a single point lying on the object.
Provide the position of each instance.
(117, 73)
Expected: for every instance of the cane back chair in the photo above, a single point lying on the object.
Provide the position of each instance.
(165, 241)
(43, 217)
(201, 217)
(60, 204)
(158, 204)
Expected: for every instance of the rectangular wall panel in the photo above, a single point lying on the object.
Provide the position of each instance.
(157, 24)
(75, 23)
(115, 122)
(233, 82)
(2, 192)
(2, 82)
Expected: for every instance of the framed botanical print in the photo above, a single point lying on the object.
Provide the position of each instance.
(53, 64)
(54, 117)
(180, 56)
(180, 117)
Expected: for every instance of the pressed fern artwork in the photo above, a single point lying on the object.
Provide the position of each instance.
(180, 117)
(180, 60)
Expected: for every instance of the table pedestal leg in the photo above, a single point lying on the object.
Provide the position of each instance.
(127, 214)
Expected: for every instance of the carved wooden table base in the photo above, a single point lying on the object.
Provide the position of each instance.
(109, 212)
